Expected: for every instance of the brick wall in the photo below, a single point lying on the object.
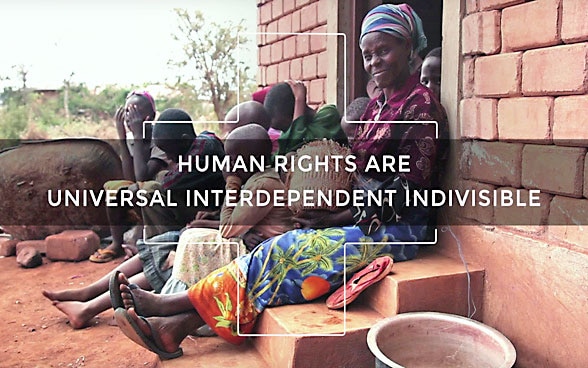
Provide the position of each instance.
(525, 84)
(282, 57)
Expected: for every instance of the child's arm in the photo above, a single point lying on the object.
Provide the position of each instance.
(237, 220)
(299, 91)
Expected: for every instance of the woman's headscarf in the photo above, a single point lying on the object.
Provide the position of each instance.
(397, 20)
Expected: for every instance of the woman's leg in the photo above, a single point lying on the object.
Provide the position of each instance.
(130, 267)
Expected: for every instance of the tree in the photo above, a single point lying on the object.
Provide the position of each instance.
(210, 62)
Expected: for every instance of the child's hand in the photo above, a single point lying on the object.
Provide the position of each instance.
(119, 116)
(298, 89)
(135, 121)
(252, 239)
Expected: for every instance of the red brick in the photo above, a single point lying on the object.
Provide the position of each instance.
(467, 77)
(481, 214)
(308, 18)
(478, 118)
(290, 47)
(322, 11)
(471, 6)
(37, 244)
(316, 91)
(525, 119)
(556, 70)
(296, 68)
(265, 13)
(285, 25)
(586, 176)
(464, 148)
(276, 9)
(496, 163)
(284, 71)
(261, 76)
(498, 75)
(8, 247)
(318, 43)
(288, 6)
(481, 33)
(300, 3)
(497, 4)
(271, 76)
(568, 219)
(277, 51)
(530, 25)
(265, 55)
(302, 45)
(517, 216)
(72, 245)
(261, 29)
(553, 169)
(569, 120)
(272, 28)
(309, 65)
(323, 65)
(296, 21)
(574, 20)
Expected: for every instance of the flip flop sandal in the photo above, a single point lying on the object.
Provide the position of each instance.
(360, 281)
(103, 256)
(130, 328)
(114, 287)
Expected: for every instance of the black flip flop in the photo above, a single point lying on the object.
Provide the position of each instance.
(128, 326)
(114, 287)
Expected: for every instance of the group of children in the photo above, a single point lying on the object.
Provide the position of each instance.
(183, 244)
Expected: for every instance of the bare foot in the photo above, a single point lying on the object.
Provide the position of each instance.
(78, 295)
(76, 313)
(144, 303)
(165, 332)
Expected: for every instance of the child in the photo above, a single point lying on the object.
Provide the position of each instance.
(431, 71)
(300, 124)
(246, 113)
(141, 161)
(353, 113)
(250, 222)
(148, 266)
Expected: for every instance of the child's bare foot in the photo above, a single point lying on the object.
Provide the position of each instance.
(78, 295)
(76, 313)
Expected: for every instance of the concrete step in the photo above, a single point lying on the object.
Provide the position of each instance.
(214, 352)
(431, 282)
(313, 336)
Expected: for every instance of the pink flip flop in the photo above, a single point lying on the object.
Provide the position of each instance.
(374, 272)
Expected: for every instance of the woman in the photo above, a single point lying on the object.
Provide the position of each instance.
(304, 264)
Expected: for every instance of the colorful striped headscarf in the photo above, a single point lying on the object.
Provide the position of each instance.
(397, 20)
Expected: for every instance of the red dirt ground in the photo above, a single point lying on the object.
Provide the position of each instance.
(36, 334)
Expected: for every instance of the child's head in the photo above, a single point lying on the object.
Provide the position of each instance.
(171, 136)
(250, 112)
(279, 103)
(431, 71)
(144, 102)
(248, 141)
(353, 113)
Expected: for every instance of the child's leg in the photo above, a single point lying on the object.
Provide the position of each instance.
(130, 267)
(79, 314)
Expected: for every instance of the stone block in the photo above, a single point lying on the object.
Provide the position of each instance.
(72, 245)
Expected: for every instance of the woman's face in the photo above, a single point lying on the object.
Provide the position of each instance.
(385, 58)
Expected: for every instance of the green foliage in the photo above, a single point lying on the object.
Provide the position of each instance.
(13, 120)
